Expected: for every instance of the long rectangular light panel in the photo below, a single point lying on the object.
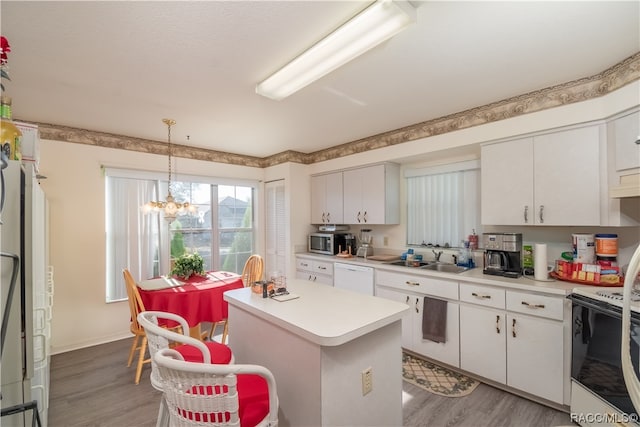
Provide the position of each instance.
(376, 24)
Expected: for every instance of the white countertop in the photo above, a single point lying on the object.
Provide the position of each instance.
(322, 314)
(474, 275)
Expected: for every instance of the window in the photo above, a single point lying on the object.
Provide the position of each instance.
(443, 204)
(222, 230)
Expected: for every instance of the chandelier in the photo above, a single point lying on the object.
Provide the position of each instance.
(170, 207)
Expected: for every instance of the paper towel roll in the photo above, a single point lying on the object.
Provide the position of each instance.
(540, 271)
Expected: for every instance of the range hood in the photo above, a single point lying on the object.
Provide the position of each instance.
(629, 187)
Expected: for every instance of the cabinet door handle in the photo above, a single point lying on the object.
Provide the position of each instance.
(310, 277)
(498, 324)
(407, 300)
(417, 305)
(526, 214)
(535, 306)
(304, 264)
(321, 267)
(410, 283)
(359, 217)
(365, 216)
(315, 278)
(480, 296)
(323, 218)
(541, 214)
(328, 217)
(513, 328)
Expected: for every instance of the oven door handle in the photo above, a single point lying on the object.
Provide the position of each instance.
(608, 310)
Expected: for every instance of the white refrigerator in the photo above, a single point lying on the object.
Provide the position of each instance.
(23, 240)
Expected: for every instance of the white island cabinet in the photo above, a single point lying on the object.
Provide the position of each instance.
(318, 346)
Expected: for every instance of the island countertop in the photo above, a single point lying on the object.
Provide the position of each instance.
(322, 314)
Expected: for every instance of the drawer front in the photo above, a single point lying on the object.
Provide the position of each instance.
(419, 284)
(482, 295)
(304, 264)
(321, 267)
(535, 305)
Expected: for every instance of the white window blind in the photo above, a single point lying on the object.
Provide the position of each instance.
(443, 204)
(275, 259)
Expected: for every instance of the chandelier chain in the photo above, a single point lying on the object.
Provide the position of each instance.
(169, 123)
(170, 153)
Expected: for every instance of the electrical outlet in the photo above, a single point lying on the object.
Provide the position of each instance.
(385, 241)
(367, 381)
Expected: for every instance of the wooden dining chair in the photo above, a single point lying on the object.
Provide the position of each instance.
(252, 271)
(136, 306)
(200, 394)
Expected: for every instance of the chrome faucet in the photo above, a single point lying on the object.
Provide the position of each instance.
(437, 254)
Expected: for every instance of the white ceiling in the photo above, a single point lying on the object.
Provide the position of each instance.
(122, 66)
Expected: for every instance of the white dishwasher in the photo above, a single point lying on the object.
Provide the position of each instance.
(353, 278)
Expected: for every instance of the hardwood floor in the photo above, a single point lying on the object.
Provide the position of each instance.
(93, 387)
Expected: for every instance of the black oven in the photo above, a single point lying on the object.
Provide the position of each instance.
(596, 339)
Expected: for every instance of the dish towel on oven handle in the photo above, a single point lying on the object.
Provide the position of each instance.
(434, 320)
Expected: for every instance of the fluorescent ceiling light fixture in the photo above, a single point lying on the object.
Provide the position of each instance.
(374, 25)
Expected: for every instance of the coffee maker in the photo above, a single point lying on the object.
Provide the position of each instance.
(502, 254)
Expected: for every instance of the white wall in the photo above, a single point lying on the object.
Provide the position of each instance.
(75, 189)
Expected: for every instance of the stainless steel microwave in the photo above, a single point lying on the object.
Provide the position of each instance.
(331, 243)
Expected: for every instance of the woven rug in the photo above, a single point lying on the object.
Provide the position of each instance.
(434, 378)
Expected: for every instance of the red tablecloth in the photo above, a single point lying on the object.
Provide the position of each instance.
(198, 300)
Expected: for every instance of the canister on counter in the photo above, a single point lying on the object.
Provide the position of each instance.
(606, 245)
(584, 250)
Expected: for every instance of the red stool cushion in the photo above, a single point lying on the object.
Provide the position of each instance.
(253, 396)
(220, 353)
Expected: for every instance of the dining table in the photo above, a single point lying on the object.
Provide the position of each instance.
(197, 299)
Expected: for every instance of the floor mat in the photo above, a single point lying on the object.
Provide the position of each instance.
(434, 378)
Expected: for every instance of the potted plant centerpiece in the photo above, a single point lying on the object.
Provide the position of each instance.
(187, 265)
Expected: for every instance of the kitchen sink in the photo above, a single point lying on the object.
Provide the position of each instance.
(403, 264)
(445, 268)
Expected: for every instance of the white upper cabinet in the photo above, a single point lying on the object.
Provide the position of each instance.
(326, 199)
(627, 141)
(371, 195)
(548, 179)
(507, 182)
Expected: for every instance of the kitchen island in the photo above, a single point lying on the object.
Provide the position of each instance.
(318, 346)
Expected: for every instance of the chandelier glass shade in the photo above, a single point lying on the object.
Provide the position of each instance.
(169, 207)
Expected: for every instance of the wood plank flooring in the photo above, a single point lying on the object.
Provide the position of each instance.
(93, 387)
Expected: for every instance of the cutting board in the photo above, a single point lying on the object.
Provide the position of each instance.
(383, 257)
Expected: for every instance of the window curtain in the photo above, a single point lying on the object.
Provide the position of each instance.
(133, 238)
(442, 208)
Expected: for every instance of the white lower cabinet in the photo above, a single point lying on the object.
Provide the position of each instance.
(483, 342)
(500, 342)
(411, 290)
(535, 356)
(314, 271)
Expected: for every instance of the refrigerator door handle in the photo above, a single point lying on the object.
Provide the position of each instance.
(12, 288)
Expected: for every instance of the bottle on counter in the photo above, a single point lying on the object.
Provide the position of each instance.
(10, 135)
(409, 260)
